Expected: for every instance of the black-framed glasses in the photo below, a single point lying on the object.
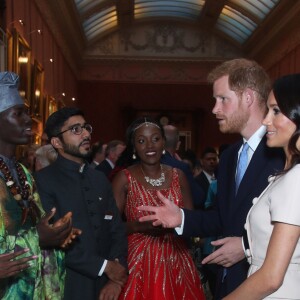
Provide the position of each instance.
(77, 129)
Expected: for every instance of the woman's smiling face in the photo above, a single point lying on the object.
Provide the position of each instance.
(149, 143)
(279, 127)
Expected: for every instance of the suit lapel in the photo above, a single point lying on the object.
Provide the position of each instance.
(228, 189)
(256, 165)
(233, 170)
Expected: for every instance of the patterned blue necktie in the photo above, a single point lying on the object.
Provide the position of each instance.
(242, 166)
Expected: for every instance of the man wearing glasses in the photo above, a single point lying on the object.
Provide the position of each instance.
(96, 261)
(30, 255)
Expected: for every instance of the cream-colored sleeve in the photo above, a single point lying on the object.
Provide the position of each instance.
(285, 198)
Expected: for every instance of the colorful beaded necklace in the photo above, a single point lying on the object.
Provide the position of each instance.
(22, 192)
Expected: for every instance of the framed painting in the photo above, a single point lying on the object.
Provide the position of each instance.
(36, 139)
(51, 106)
(60, 104)
(3, 51)
(185, 138)
(9, 51)
(21, 65)
(37, 99)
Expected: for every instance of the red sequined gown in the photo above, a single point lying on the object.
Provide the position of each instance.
(160, 267)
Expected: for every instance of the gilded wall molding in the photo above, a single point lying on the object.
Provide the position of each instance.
(149, 71)
(163, 41)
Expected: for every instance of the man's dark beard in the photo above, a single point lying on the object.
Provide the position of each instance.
(74, 151)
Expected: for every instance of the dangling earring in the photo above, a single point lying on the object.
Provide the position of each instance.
(164, 151)
(133, 156)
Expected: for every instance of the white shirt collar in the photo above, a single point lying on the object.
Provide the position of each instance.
(110, 163)
(253, 142)
(255, 139)
(209, 177)
(95, 162)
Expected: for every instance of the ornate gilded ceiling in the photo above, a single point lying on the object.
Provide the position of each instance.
(187, 30)
(236, 19)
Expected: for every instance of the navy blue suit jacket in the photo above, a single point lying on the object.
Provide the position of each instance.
(229, 214)
(88, 195)
(202, 180)
(104, 167)
(198, 194)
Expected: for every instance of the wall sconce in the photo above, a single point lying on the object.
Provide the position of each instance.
(21, 22)
(39, 32)
(48, 60)
(23, 59)
(62, 97)
(59, 96)
(37, 93)
(22, 93)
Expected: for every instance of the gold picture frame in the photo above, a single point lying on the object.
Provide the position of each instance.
(51, 106)
(3, 51)
(36, 139)
(9, 51)
(37, 99)
(21, 65)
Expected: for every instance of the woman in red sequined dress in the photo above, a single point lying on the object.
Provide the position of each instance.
(160, 266)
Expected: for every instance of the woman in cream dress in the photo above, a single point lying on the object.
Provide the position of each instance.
(273, 223)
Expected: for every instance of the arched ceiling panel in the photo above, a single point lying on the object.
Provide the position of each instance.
(84, 6)
(235, 24)
(91, 28)
(177, 8)
(100, 22)
(238, 19)
(258, 8)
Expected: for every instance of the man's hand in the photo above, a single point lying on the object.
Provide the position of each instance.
(116, 272)
(168, 215)
(146, 228)
(111, 291)
(9, 266)
(75, 232)
(65, 219)
(230, 252)
(54, 235)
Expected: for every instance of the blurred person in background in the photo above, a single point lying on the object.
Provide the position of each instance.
(97, 154)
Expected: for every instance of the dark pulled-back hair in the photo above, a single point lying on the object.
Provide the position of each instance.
(286, 91)
(130, 132)
(56, 120)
